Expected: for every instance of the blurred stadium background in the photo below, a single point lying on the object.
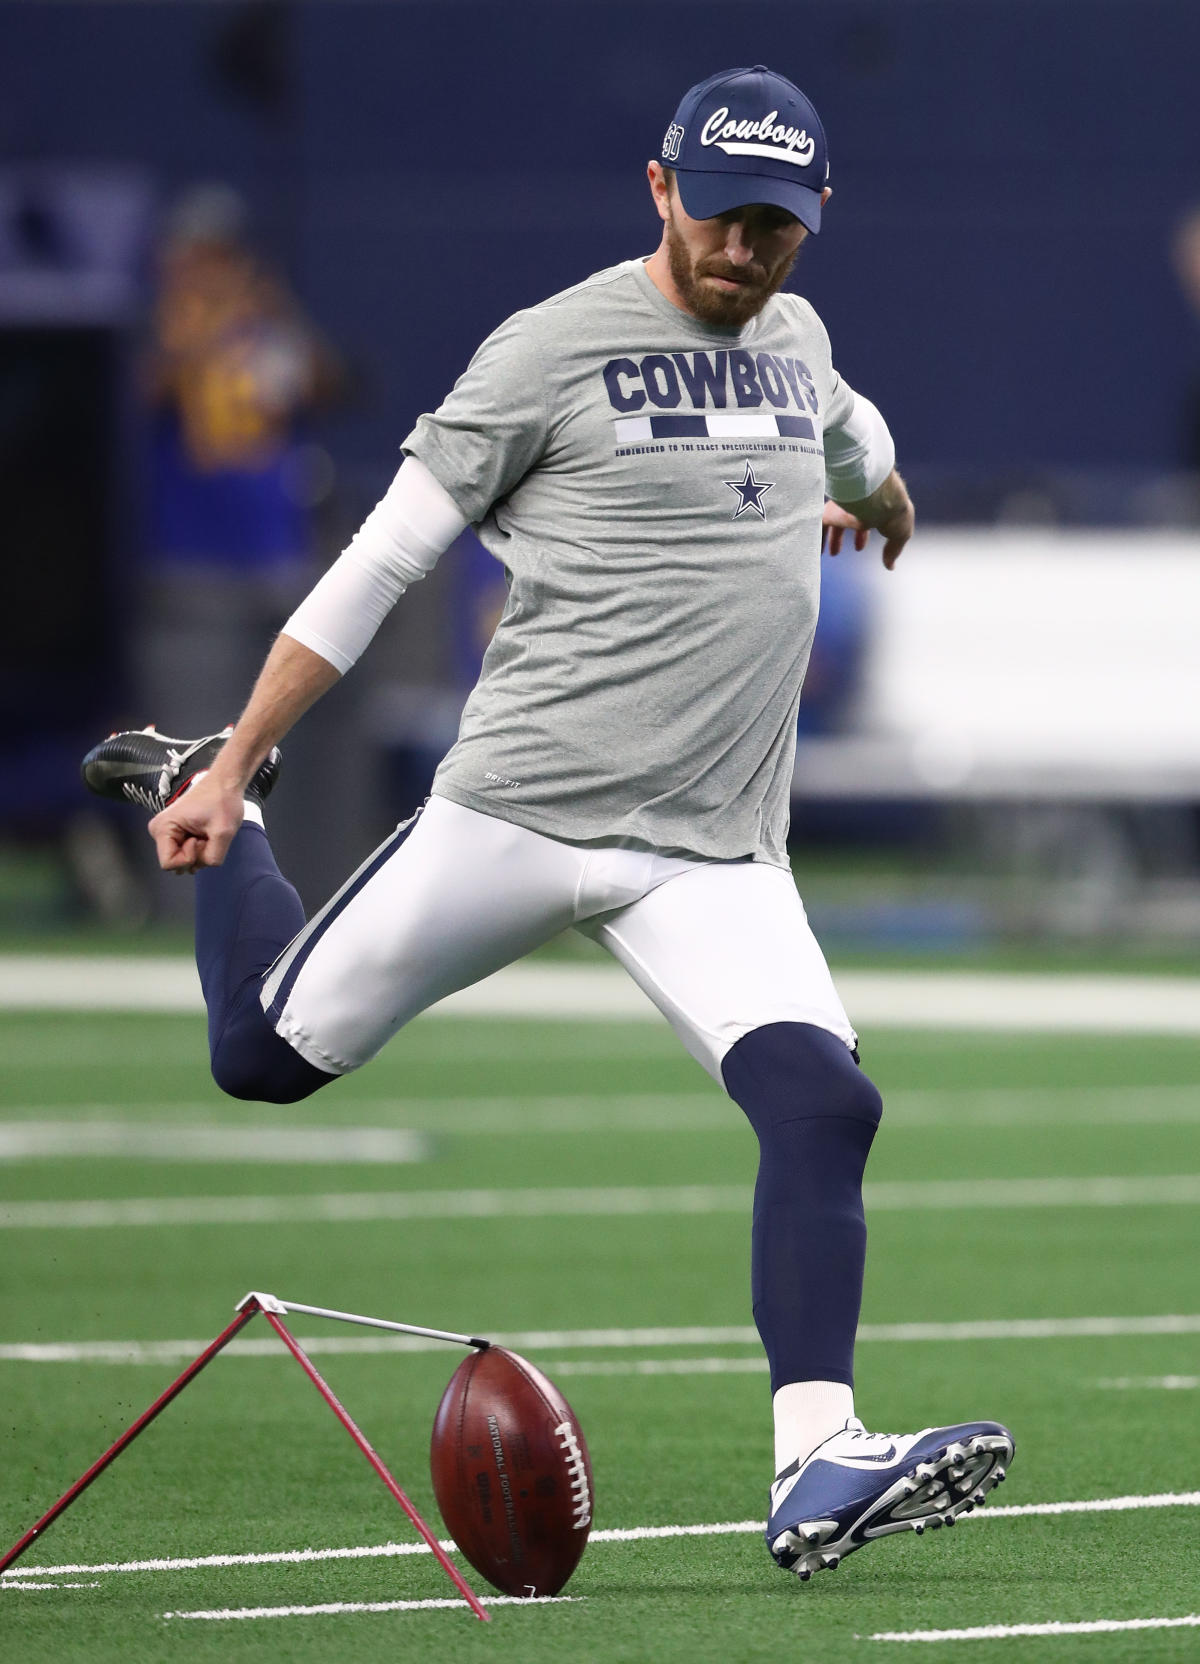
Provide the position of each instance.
(1000, 745)
(242, 245)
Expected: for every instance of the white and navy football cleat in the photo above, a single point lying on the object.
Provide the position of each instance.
(143, 766)
(858, 1486)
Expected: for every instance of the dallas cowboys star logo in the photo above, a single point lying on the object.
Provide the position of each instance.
(751, 492)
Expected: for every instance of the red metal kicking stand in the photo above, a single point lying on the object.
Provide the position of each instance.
(274, 1311)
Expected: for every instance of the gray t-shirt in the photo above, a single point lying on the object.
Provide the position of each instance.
(653, 486)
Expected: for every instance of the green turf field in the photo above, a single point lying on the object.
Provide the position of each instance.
(575, 1179)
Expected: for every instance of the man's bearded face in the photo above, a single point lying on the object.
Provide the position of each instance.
(715, 288)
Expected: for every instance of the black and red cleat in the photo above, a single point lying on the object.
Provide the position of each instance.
(143, 766)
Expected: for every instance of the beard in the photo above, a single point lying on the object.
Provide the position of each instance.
(727, 309)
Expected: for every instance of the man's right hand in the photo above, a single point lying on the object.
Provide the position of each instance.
(197, 830)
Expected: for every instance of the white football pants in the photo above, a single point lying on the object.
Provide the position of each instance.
(721, 947)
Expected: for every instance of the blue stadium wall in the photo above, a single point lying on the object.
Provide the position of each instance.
(993, 271)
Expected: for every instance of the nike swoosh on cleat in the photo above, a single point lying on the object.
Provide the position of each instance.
(889, 1455)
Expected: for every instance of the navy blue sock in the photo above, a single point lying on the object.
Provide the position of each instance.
(815, 1114)
(246, 914)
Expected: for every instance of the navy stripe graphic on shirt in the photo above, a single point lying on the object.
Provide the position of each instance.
(724, 424)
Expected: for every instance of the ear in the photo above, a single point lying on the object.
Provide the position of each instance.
(826, 194)
(659, 189)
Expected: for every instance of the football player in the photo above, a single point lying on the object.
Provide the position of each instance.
(648, 454)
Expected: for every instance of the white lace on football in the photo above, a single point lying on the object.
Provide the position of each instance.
(581, 1496)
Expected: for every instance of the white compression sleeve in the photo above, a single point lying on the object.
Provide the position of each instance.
(398, 543)
(859, 454)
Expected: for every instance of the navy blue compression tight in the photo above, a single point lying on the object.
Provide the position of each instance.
(246, 914)
(815, 1114)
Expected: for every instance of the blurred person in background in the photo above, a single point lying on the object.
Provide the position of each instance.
(1186, 252)
(233, 372)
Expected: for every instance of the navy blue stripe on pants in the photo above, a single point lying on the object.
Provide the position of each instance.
(333, 910)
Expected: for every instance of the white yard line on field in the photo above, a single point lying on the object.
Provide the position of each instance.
(658, 1366)
(1151, 1189)
(904, 999)
(1094, 1505)
(1002, 1632)
(545, 1340)
(97, 1044)
(161, 1128)
(373, 1205)
(403, 1117)
(37, 1588)
(621, 1534)
(1041, 1106)
(1033, 1328)
(533, 1340)
(1153, 1383)
(337, 1607)
(217, 1141)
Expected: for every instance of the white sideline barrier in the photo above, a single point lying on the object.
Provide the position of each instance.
(1029, 664)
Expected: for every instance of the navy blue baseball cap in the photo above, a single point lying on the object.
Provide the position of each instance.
(748, 135)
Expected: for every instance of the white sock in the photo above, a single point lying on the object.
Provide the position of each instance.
(806, 1414)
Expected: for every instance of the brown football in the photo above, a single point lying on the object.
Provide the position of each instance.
(511, 1473)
